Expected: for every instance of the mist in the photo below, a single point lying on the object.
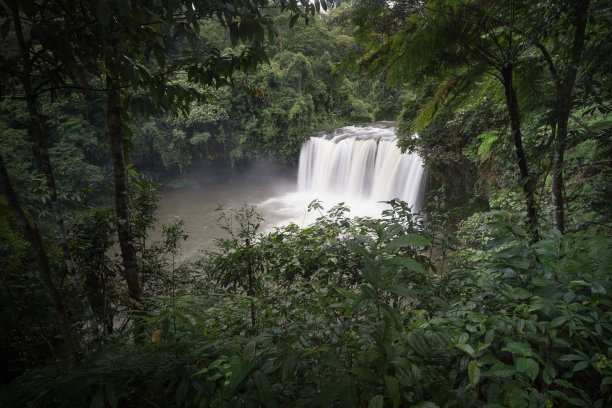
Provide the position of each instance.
(210, 186)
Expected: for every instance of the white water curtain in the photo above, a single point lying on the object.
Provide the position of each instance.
(361, 163)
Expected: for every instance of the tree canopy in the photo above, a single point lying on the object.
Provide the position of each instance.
(496, 293)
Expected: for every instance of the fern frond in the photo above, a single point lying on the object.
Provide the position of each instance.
(429, 110)
(486, 146)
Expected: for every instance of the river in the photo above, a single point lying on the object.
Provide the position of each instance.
(358, 165)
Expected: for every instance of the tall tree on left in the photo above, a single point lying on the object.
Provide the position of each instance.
(28, 228)
(127, 46)
(36, 73)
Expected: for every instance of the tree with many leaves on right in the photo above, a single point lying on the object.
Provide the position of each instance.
(458, 44)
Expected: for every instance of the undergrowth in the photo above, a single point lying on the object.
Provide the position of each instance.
(360, 312)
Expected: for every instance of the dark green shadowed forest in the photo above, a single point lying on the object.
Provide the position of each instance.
(495, 292)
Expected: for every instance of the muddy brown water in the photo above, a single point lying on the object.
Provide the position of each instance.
(357, 165)
(197, 205)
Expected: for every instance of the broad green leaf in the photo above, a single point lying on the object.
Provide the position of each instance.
(391, 314)
(401, 362)
(372, 275)
(461, 338)
(578, 402)
(466, 348)
(558, 321)
(489, 336)
(520, 293)
(580, 366)
(376, 401)
(438, 339)
(483, 346)
(408, 240)
(332, 360)
(293, 20)
(494, 393)
(502, 370)
(527, 366)
(474, 373)
(160, 56)
(597, 288)
(441, 303)
(566, 384)
(521, 349)
(570, 357)
(416, 340)
(518, 403)
(490, 359)
(181, 392)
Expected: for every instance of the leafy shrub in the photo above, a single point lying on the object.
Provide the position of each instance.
(355, 312)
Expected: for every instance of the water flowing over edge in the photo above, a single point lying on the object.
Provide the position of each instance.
(280, 200)
(361, 163)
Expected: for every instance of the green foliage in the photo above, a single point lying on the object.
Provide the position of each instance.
(351, 313)
(298, 93)
(403, 310)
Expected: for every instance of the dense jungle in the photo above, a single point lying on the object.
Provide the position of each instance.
(480, 276)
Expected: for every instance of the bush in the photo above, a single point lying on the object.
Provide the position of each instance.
(357, 312)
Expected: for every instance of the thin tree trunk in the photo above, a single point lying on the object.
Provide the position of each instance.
(527, 179)
(59, 221)
(563, 108)
(250, 282)
(39, 135)
(32, 235)
(122, 209)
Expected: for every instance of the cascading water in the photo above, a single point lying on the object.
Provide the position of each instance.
(360, 166)
(361, 163)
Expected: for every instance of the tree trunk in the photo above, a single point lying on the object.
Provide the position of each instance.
(565, 87)
(59, 222)
(39, 135)
(122, 209)
(31, 234)
(527, 181)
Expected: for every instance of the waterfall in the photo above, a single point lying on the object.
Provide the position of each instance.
(362, 163)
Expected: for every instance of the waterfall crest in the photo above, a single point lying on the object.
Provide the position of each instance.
(361, 163)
